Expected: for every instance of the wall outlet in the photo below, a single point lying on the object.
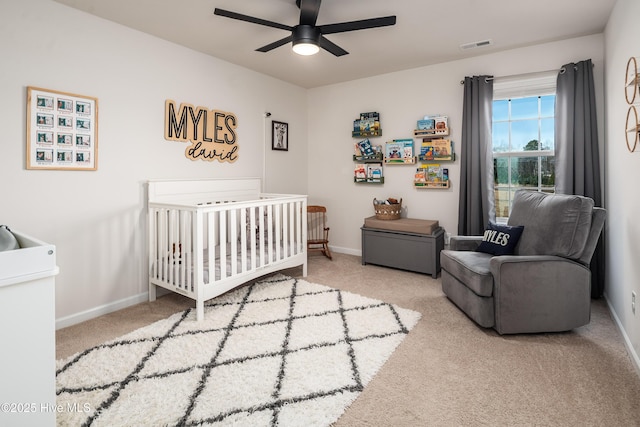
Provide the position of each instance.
(633, 302)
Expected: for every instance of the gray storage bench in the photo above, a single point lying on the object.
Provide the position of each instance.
(405, 243)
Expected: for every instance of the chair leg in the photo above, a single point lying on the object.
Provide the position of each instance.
(326, 251)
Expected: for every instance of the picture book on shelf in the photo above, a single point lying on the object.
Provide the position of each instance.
(426, 151)
(399, 150)
(374, 170)
(375, 116)
(393, 150)
(442, 149)
(356, 149)
(442, 123)
(368, 122)
(366, 148)
(367, 125)
(407, 151)
(434, 124)
(439, 149)
(433, 172)
(426, 124)
(360, 171)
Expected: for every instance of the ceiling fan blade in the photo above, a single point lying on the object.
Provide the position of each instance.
(274, 45)
(253, 20)
(363, 24)
(309, 10)
(332, 47)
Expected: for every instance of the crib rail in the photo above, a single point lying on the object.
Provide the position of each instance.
(225, 241)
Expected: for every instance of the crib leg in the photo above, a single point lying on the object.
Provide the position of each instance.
(152, 292)
(304, 269)
(199, 311)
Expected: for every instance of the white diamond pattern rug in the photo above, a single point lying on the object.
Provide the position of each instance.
(281, 351)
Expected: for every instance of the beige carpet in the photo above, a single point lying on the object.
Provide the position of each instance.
(448, 371)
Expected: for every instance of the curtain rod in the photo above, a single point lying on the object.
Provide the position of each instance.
(561, 71)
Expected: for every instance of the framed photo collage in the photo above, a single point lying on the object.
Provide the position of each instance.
(62, 130)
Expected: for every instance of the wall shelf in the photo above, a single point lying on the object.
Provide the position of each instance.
(368, 180)
(365, 134)
(451, 158)
(432, 185)
(405, 161)
(368, 159)
(430, 133)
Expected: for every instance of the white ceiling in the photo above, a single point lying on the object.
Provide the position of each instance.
(427, 31)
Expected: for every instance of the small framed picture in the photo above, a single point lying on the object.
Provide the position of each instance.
(279, 136)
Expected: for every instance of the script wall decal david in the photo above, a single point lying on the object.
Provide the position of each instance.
(211, 134)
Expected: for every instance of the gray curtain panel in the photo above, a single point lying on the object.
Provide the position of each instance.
(576, 147)
(476, 206)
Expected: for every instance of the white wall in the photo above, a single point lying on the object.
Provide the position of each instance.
(402, 98)
(623, 176)
(97, 219)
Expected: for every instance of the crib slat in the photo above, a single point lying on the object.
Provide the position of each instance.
(196, 255)
(178, 249)
(243, 239)
(269, 233)
(212, 245)
(154, 262)
(233, 220)
(197, 266)
(287, 240)
(284, 239)
(261, 231)
(302, 231)
(222, 233)
(170, 241)
(252, 232)
(277, 239)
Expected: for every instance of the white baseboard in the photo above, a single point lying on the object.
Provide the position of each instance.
(347, 251)
(99, 311)
(627, 342)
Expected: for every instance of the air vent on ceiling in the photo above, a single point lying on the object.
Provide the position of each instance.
(474, 45)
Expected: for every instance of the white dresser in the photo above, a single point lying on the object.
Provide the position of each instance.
(27, 334)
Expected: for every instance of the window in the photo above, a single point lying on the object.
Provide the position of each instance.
(523, 141)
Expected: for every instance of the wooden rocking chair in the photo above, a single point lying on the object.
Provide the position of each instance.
(317, 231)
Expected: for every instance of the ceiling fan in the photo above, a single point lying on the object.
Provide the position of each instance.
(307, 37)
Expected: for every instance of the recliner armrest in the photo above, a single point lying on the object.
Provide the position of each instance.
(540, 293)
(464, 243)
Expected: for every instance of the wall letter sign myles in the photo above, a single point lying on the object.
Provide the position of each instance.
(211, 133)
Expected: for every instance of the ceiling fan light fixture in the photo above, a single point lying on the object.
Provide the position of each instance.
(305, 48)
(306, 40)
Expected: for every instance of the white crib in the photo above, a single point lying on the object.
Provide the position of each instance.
(209, 236)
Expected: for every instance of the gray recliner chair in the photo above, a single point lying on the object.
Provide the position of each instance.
(545, 286)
